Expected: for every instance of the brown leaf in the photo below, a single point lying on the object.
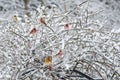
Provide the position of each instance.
(47, 60)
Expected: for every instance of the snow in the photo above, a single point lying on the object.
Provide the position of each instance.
(92, 39)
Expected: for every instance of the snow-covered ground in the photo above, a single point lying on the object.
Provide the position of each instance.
(51, 39)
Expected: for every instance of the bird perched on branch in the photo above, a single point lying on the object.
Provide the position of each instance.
(66, 26)
(34, 30)
(59, 53)
(15, 18)
(42, 21)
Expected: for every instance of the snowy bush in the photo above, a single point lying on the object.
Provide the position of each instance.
(53, 41)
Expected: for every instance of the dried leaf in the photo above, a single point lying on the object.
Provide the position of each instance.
(47, 60)
(50, 67)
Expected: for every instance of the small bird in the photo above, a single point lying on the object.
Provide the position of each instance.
(66, 26)
(47, 60)
(42, 21)
(34, 30)
(15, 18)
(59, 53)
